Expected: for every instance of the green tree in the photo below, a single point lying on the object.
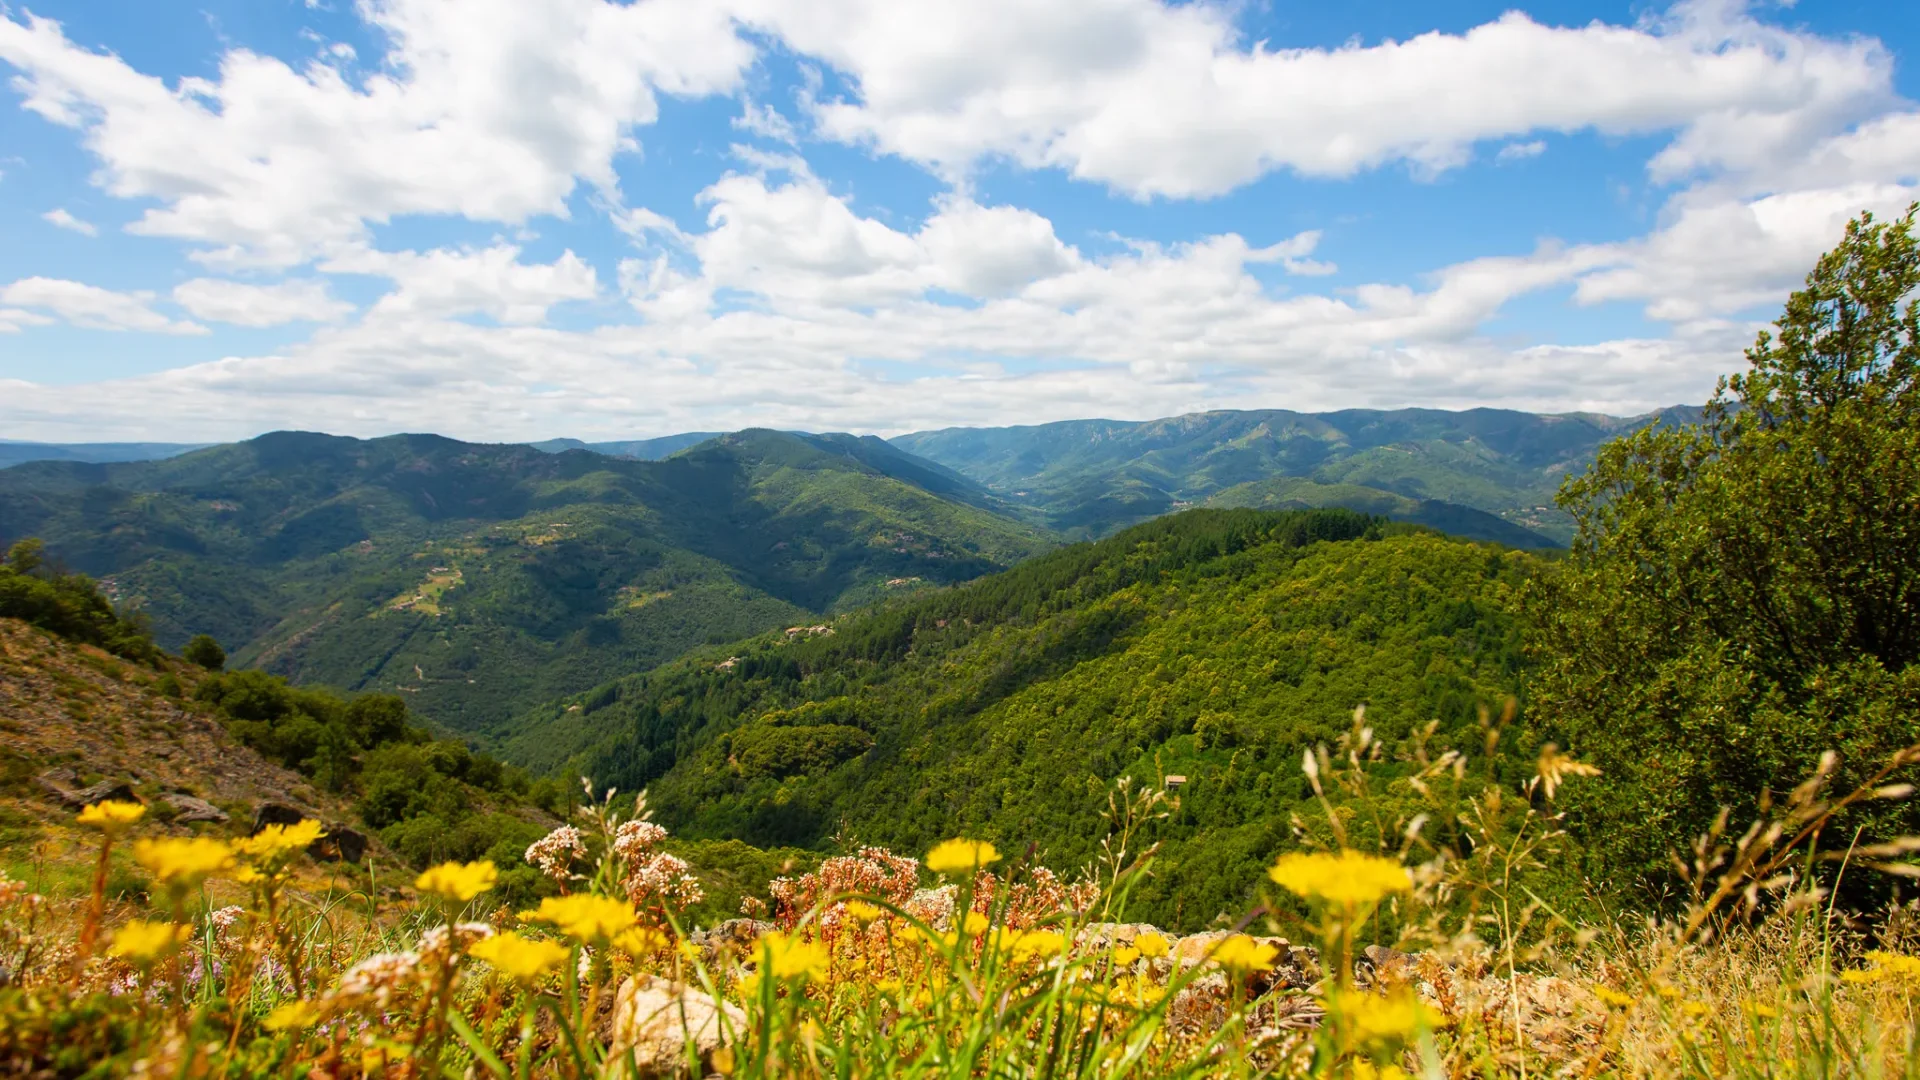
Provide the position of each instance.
(1741, 595)
(206, 652)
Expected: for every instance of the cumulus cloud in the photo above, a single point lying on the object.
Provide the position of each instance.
(59, 218)
(791, 303)
(92, 307)
(490, 110)
(1158, 99)
(243, 304)
(445, 283)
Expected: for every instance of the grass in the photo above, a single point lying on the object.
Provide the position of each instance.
(969, 963)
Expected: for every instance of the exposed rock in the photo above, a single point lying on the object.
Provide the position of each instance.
(1293, 966)
(657, 1020)
(1105, 935)
(273, 813)
(188, 808)
(1379, 964)
(731, 940)
(104, 791)
(340, 844)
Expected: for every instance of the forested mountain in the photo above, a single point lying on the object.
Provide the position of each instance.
(1089, 477)
(13, 453)
(1218, 645)
(639, 449)
(480, 579)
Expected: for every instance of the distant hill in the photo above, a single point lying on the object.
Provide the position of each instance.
(1213, 644)
(1090, 477)
(638, 449)
(13, 453)
(480, 579)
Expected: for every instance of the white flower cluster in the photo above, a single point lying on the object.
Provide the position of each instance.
(553, 854)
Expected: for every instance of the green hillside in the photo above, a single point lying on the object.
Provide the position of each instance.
(480, 579)
(1089, 477)
(1218, 645)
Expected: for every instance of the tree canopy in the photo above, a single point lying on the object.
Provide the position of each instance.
(1741, 594)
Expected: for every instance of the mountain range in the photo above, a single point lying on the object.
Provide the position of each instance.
(480, 579)
(483, 580)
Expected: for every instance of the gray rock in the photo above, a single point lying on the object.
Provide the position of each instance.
(188, 808)
(104, 791)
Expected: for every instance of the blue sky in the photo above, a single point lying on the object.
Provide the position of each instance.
(506, 221)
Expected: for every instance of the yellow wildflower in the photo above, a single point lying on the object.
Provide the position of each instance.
(975, 924)
(279, 841)
(292, 1016)
(1608, 995)
(182, 864)
(864, 911)
(1365, 1069)
(1038, 945)
(640, 941)
(961, 856)
(145, 942)
(722, 1058)
(519, 958)
(1381, 1019)
(1125, 955)
(1349, 879)
(1242, 953)
(789, 957)
(459, 882)
(111, 817)
(585, 917)
(1886, 967)
(1152, 946)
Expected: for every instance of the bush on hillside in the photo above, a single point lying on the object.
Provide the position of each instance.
(1744, 595)
(70, 605)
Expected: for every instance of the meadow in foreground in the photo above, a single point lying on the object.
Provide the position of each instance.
(970, 962)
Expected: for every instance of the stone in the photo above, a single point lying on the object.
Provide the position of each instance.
(104, 791)
(1104, 935)
(731, 940)
(656, 1020)
(1379, 964)
(188, 808)
(340, 844)
(273, 813)
(1292, 967)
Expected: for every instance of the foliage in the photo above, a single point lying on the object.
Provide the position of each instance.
(1007, 971)
(1450, 470)
(480, 580)
(1218, 645)
(69, 605)
(429, 799)
(1741, 597)
(201, 649)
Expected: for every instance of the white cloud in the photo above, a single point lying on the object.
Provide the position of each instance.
(59, 218)
(241, 304)
(445, 283)
(489, 110)
(1167, 100)
(92, 307)
(1520, 151)
(13, 319)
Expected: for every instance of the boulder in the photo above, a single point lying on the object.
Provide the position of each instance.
(657, 1020)
(273, 813)
(188, 808)
(104, 791)
(340, 844)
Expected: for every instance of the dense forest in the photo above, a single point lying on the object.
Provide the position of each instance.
(479, 580)
(1214, 645)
